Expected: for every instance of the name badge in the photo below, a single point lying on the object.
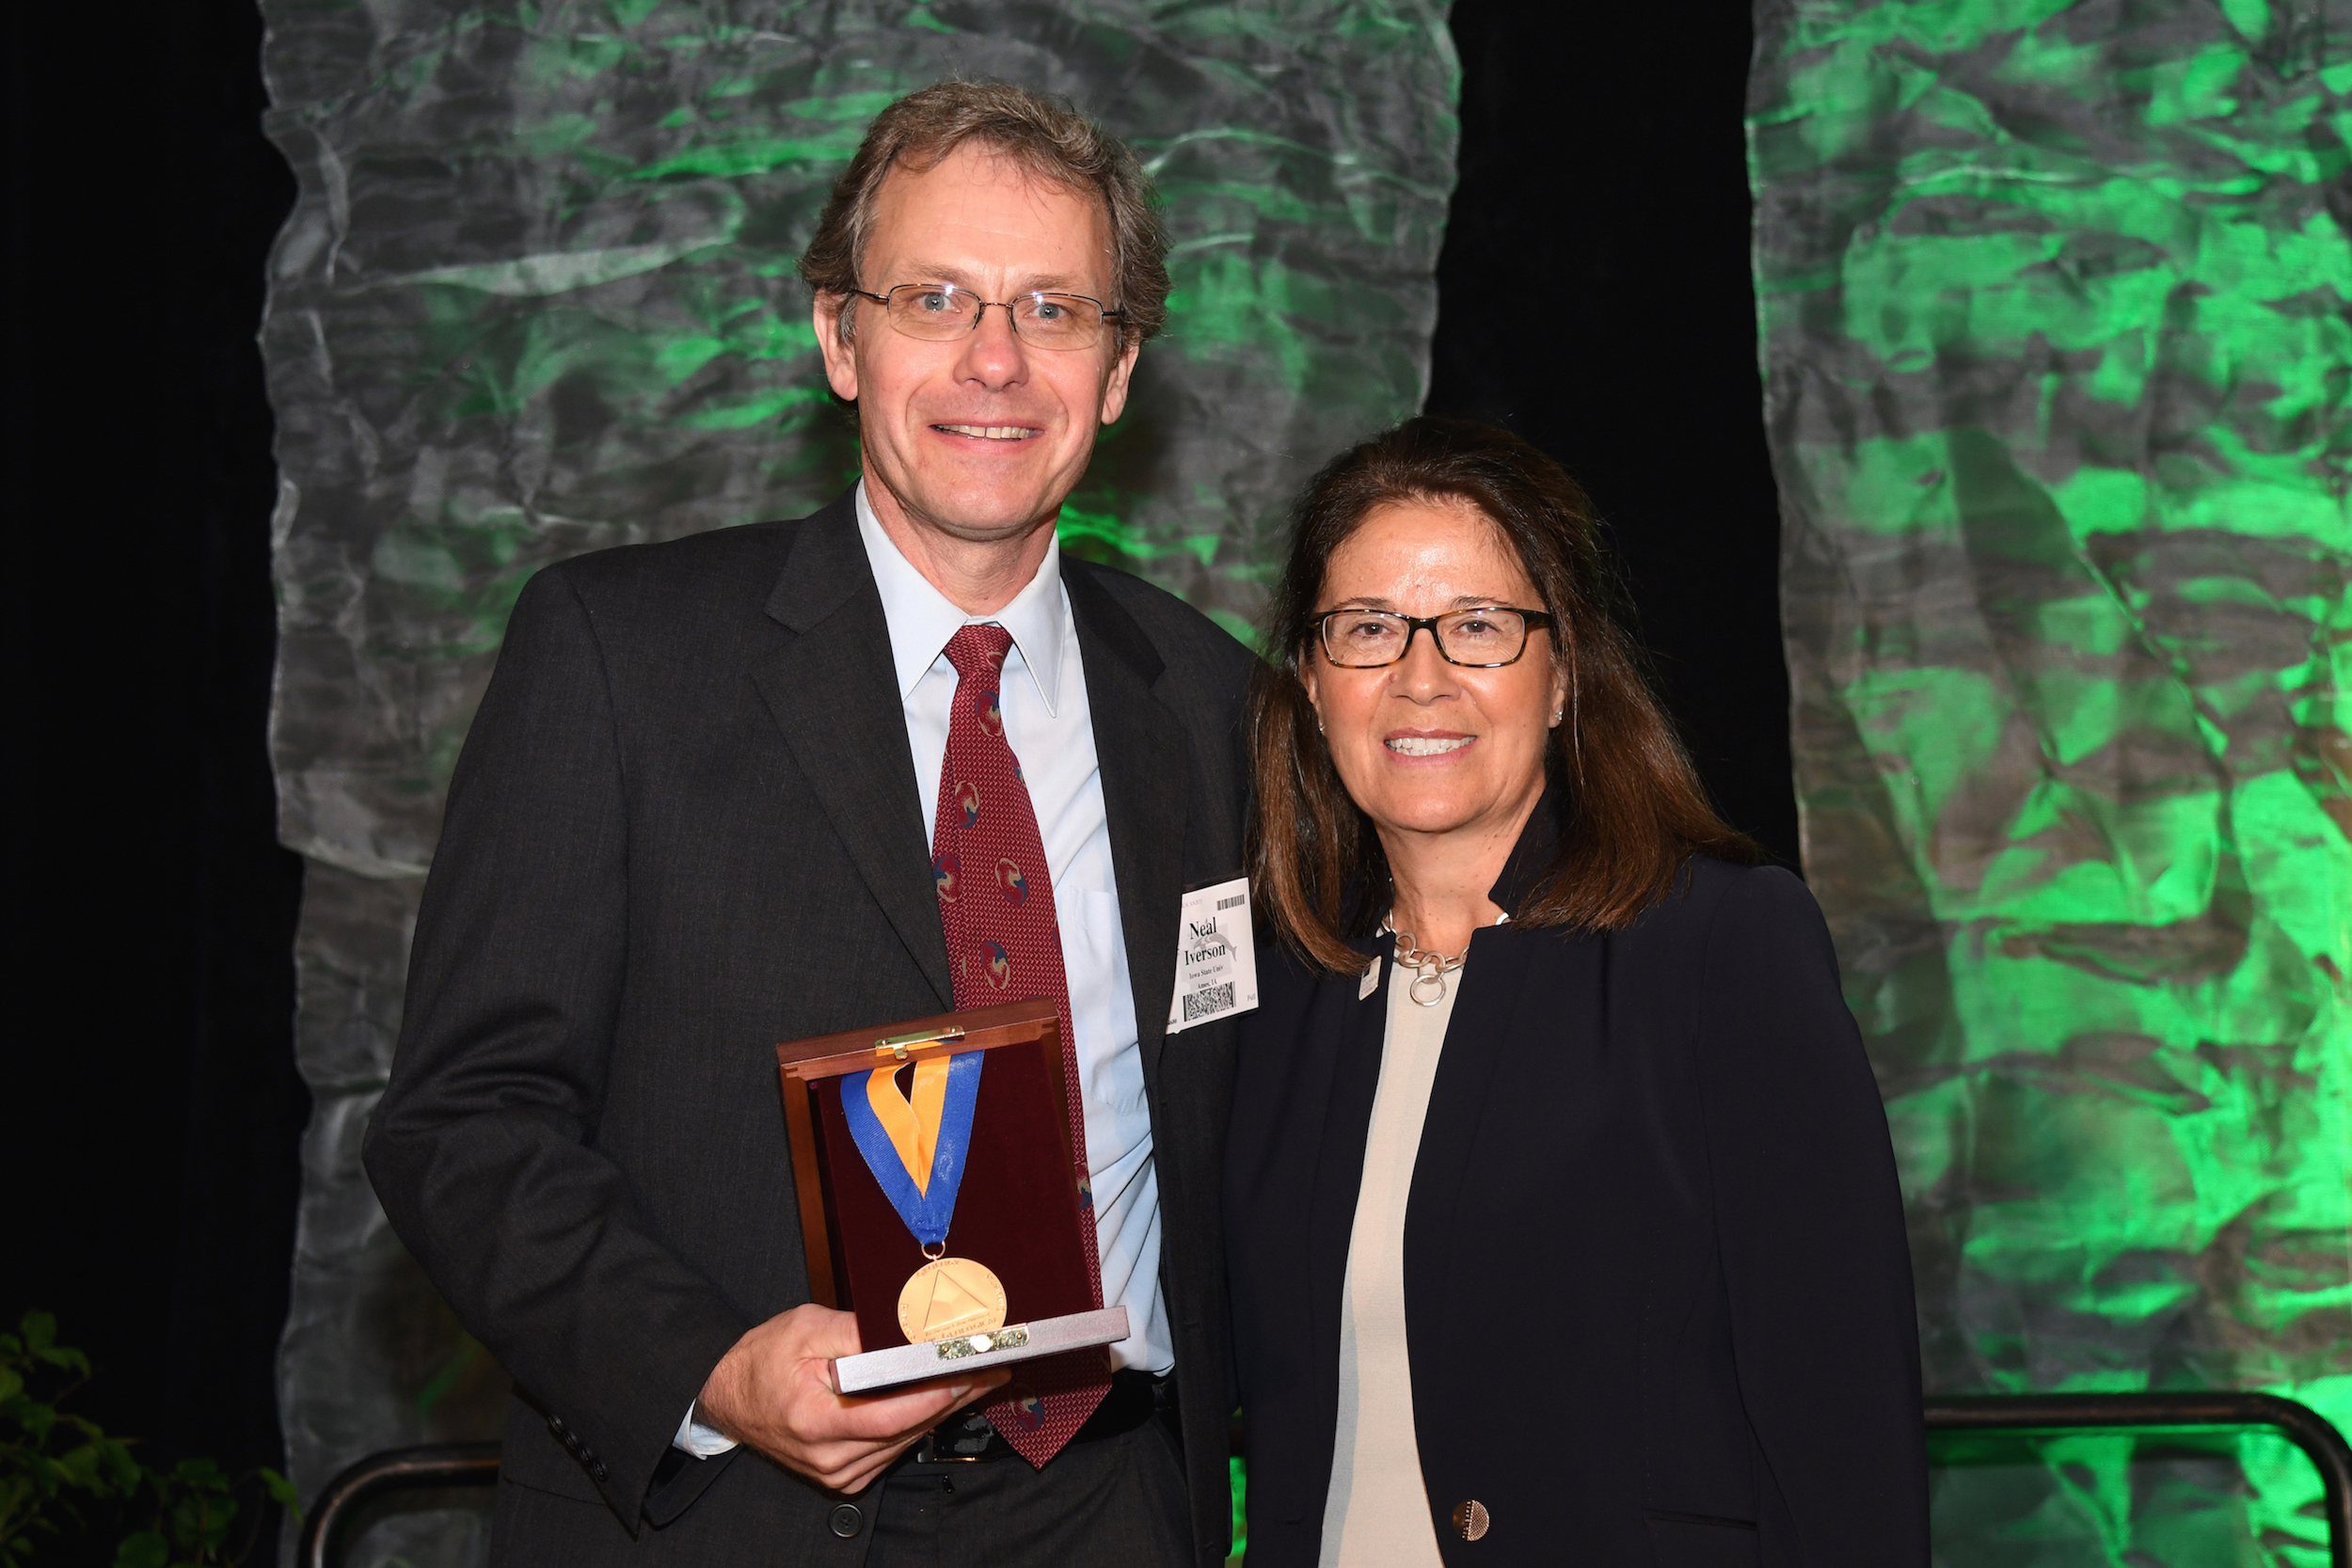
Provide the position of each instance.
(1217, 957)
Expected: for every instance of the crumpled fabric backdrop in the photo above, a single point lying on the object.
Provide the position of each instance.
(2054, 301)
(536, 299)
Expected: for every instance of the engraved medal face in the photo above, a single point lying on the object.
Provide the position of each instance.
(949, 1297)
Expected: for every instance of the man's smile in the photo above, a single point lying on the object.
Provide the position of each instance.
(991, 432)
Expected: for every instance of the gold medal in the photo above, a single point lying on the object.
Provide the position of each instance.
(949, 1297)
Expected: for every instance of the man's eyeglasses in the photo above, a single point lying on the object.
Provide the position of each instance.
(937, 312)
(1483, 638)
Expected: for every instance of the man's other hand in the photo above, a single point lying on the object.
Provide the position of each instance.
(775, 1391)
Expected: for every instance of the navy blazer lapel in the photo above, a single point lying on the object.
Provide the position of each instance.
(1361, 1038)
(833, 692)
(1504, 962)
(1499, 980)
(1146, 765)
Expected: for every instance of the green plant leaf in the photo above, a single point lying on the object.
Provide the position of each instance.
(281, 1492)
(205, 1473)
(121, 1469)
(201, 1520)
(145, 1549)
(80, 1466)
(196, 1501)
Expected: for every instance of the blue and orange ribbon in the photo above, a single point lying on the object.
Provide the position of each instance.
(917, 1149)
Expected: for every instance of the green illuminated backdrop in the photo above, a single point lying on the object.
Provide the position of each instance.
(2054, 301)
(536, 299)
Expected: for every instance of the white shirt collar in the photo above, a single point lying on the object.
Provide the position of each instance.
(922, 619)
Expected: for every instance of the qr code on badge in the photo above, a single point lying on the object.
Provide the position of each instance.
(1208, 1000)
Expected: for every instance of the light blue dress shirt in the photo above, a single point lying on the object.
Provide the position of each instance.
(1051, 729)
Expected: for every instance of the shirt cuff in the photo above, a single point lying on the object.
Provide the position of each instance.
(699, 1440)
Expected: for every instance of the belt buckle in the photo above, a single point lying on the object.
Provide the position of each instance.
(926, 1452)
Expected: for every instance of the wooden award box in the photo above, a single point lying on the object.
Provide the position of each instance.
(1017, 1211)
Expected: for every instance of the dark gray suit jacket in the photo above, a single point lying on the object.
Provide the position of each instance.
(685, 827)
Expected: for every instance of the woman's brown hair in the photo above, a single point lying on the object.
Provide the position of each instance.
(1630, 809)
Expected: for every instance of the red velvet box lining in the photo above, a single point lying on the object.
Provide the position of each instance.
(1017, 1211)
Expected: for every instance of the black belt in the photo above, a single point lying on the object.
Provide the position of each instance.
(967, 1438)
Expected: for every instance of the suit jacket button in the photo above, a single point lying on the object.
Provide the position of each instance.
(596, 1469)
(847, 1521)
(1470, 1519)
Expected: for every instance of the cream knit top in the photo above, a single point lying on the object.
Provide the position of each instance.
(1377, 1513)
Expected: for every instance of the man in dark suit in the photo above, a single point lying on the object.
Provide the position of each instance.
(697, 815)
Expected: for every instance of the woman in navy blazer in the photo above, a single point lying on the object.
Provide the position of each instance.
(1581, 1240)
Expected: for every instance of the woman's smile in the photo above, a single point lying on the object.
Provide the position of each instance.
(1423, 745)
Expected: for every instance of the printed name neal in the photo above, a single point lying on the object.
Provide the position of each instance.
(1206, 942)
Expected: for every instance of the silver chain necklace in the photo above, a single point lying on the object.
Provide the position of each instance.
(1429, 969)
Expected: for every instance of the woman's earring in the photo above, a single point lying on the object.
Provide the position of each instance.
(1558, 714)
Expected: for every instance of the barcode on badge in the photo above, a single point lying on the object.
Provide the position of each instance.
(1208, 1000)
(1236, 901)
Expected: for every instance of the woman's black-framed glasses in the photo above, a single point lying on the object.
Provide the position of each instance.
(1483, 638)
(937, 312)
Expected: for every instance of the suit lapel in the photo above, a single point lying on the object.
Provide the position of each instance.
(1498, 985)
(1140, 746)
(1498, 989)
(834, 695)
(1360, 1038)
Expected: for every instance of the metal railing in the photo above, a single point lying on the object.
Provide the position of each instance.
(2011, 1415)
(436, 1464)
(2047, 1415)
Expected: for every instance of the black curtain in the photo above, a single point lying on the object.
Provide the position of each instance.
(150, 1113)
(1593, 295)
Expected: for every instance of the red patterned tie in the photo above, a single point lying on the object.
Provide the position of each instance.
(996, 901)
